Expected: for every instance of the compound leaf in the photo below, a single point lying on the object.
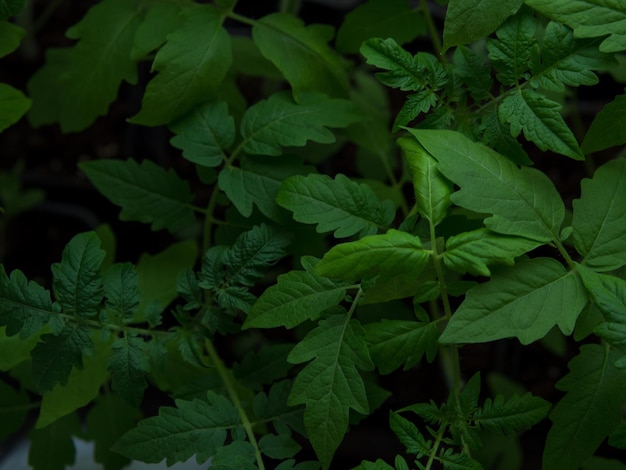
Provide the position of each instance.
(517, 413)
(186, 73)
(122, 290)
(197, 427)
(472, 252)
(296, 297)
(469, 20)
(129, 365)
(590, 410)
(395, 343)
(330, 385)
(302, 54)
(340, 205)
(608, 128)
(77, 278)
(589, 19)
(599, 230)
(523, 202)
(540, 119)
(13, 105)
(204, 133)
(279, 121)
(146, 192)
(524, 301)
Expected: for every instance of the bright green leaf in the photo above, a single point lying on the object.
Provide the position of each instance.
(395, 343)
(523, 201)
(330, 385)
(279, 121)
(524, 301)
(186, 74)
(540, 119)
(473, 251)
(129, 365)
(338, 205)
(380, 18)
(470, 20)
(608, 128)
(197, 427)
(77, 278)
(52, 447)
(590, 410)
(589, 19)
(146, 192)
(598, 223)
(13, 105)
(302, 54)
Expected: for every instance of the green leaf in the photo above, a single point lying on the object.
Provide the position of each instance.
(121, 290)
(10, 8)
(409, 435)
(205, 133)
(432, 190)
(608, 293)
(608, 128)
(590, 410)
(598, 222)
(510, 54)
(25, 306)
(248, 60)
(379, 18)
(52, 447)
(119, 418)
(77, 278)
(197, 427)
(330, 385)
(302, 54)
(589, 19)
(517, 413)
(279, 121)
(54, 358)
(187, 74)
(567, 61)
(273, 407)
(497, 135)
(257, 181)
(469, 20)
(340, 205)
(541, 121)
(99, 61)
(128, 365)
(14, 350)
(471, 252)
(474, 71)
(263, 367)
(452, 461)
(523, 202)
(13, 410)
(146, 192)
(13, 105)
(289, 465)
(278, 447)
(524, 301)
(239, 455)
(10, 37)
(297, 296)
(161, 19)
(378, 465)
(82, 387)
(395, 343)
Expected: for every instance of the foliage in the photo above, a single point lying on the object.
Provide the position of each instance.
(298, 280)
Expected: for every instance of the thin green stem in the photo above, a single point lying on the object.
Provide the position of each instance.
(242, 19)
(234, 397)
(432, 30)
(568, 259)
(207, 231)
(112, 326)
(433, 451)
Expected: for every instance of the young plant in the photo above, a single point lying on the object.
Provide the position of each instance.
(291, 291)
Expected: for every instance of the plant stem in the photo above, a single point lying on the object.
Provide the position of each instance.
(432, 30)
(234, 397)
(208, 220)
(436, 444)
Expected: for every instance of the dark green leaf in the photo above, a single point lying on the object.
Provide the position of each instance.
(497, 135)
(13, 410)
(239, 455)
(146, 192)
(278, 447)
(608, 128)
(474, 70)
(13, 105)
(121, 290)
(263, 367)
(10, 8)
(409, 435)
(608, 293)
(52, 447)
(161, 18)
(517, 413)
(129, 365)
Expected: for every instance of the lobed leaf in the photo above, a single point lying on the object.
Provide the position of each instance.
(590, 410)
(128, 365)
(340, 205)
(608, 293)
(522, 202)
(279, 121)
(186, 74)
(607, 128)
(474, 71)
(497, 135)
(525, 301)
(161, 18)
(122, 290)
(409, 435)
(146, 192)
(77, 278)
(599, 231)
(517, 413)
(330, 385)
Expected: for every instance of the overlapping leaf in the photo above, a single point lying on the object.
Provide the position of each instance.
(161, 18)
(522, 202)
(590, 410)
(128, 365)
(589, 19)
(265, 366)
(331, 384)
(146, 192)
(608, 128)
(185, 73)
(197, 427)
(52, 448)
(497, 135)
(122, 291)
(524, 301)
(599, 229)
(279, 121)
(517, 413)
(476, 74)
(338, 205)
(302, 54)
